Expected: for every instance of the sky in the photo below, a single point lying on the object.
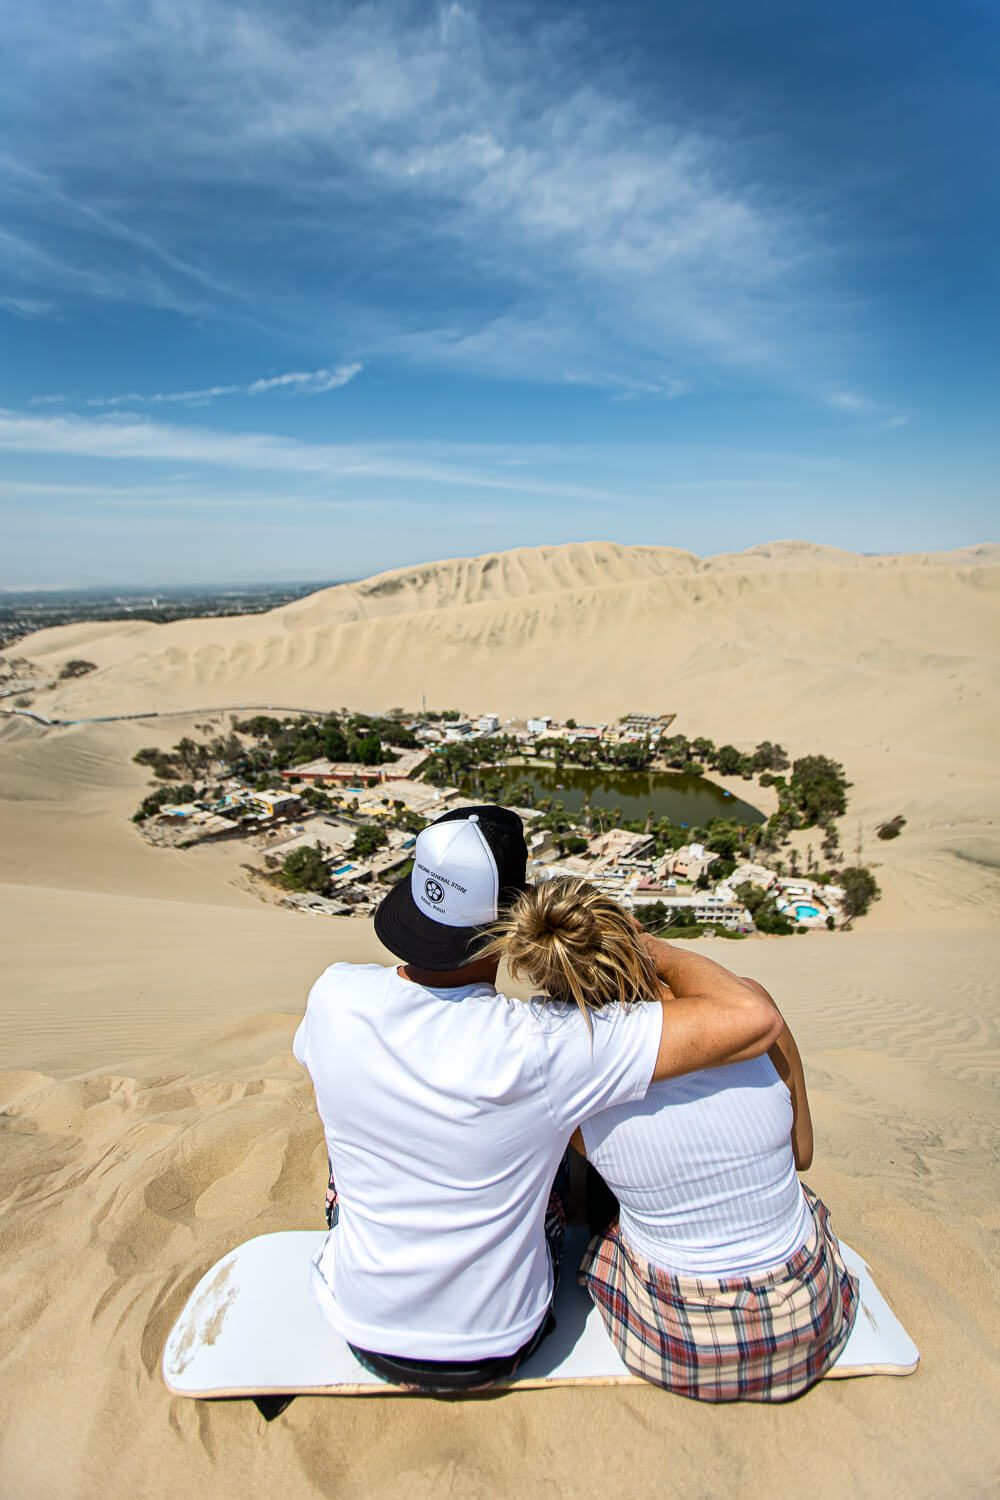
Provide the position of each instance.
(312, 290)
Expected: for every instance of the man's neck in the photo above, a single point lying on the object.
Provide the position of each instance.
(482, 971)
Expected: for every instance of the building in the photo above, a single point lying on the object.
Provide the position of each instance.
(273, 804)
(689, 862)
(324, 772)
(313, 902)
(594, 732)
(540, 843)
(539, 725)
(708, 906)
(749, 873)
(345, 872)
(572, 865)
(644, 726)
(336, 773)
(334, 835)
(619, 844)
(614, 880)
(460, 730)
(177, 812)
(808, 902)
(417, 796)
(657, 883)
(488, 724)
(198, 825)
(407, 763)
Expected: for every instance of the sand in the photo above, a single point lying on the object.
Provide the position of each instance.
(153, 1115)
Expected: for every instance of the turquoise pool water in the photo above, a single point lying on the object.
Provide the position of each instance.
(806, 911)
(343, 869)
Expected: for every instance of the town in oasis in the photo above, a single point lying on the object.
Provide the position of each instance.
(329, 807)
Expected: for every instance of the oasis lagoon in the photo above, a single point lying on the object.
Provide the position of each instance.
(690, 801)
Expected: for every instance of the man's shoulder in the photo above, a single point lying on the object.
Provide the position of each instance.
(557, 1017)
(339, 977)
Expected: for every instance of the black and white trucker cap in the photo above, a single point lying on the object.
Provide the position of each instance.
(467, 866)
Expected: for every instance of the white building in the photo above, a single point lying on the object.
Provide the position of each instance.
(488, 724)
(709, 906)
(539, 726)
(458, 731)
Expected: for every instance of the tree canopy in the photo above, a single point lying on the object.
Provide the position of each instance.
(367, 838)
(860, 890)
(818, 789)
(306, 869)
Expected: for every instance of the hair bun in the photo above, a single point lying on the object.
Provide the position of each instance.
(576, 944)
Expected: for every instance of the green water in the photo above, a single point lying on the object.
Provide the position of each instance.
(690, 800)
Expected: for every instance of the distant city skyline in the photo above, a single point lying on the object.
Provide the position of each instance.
(329, 290)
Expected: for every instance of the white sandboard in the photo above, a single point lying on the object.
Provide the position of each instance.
(251, 1328)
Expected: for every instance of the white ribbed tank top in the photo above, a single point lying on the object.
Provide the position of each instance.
(704, 1172)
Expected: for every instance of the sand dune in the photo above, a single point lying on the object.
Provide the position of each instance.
(153, 1117)
(888, 663)
(503, 623)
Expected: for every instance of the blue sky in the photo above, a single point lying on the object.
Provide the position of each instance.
(311, 290)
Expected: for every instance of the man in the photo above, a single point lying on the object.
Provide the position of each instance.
(447, 1108)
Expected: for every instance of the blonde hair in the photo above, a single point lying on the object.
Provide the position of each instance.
(575, 943)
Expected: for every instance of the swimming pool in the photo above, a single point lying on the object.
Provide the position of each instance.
(806, 911)
(343, 869)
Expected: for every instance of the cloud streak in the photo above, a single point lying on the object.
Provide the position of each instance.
(140, 440)
(296, 382)
(854, 403)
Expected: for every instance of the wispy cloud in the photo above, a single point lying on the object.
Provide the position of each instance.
(170, 497)
(140, 440)
(626, 389)
(309, 382)
(854, 402)
(849, 401)
(295, 382)
(26, 307)
(486, 174)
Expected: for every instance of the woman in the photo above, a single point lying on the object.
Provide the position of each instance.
(721, 1278)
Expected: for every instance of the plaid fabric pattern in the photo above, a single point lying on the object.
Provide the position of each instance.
(765, 1337)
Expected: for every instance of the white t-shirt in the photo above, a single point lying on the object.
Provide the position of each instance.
(446, 1113)
(704, 1171)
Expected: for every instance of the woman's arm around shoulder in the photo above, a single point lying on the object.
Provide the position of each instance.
(713, 1017)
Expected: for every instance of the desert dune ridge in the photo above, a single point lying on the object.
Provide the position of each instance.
(888, 664)
(153, 1117)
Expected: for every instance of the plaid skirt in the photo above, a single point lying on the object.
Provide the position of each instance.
(764, 1337)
